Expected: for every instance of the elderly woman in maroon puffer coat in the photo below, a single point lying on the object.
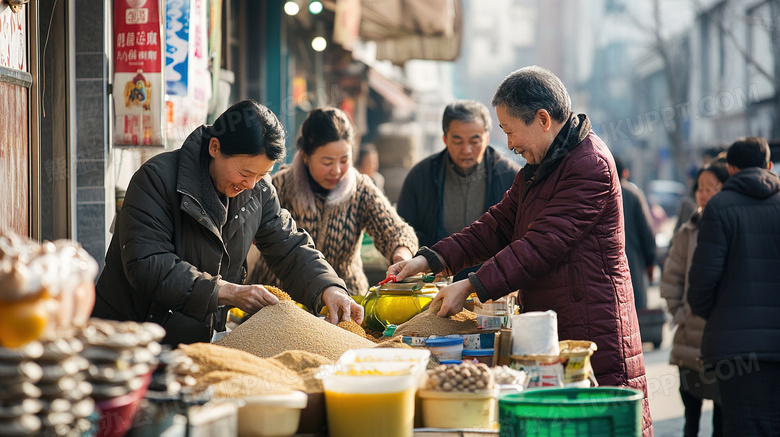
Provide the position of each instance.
(557, 236)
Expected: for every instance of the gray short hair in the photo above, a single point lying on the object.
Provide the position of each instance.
(530, 89)
(466, 110)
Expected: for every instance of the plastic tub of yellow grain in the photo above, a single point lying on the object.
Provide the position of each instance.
(367, 396)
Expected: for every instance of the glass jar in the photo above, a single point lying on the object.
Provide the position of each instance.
(395, 303)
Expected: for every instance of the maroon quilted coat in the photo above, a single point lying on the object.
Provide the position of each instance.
(563, 249)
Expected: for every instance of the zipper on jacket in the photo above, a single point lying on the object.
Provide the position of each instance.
(574, 280)
(200, 220)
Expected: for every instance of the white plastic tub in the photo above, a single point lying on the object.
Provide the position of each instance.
(274, 415)
(475, 410)
(446, 348)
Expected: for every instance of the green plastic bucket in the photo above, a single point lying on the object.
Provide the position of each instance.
(564, 412)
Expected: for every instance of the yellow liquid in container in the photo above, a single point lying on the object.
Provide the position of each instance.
(370, 414)
(386, 305)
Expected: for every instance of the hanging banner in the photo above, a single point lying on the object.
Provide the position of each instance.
(217, 103)
(13, 38)
(138, 84)
(188, 80)
(346, 26)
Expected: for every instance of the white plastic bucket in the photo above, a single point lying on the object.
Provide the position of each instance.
(446, 348)
(274, 415)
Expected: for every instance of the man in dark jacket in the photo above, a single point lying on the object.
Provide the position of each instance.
(735, 285)
(189, 216)
(640, 241)
(447, 191)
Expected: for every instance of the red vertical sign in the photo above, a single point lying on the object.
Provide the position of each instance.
(138, 85)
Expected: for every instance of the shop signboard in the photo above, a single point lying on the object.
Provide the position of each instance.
(14, 138)
(138, 85)
(13, 38)
(347, 23)
(188, 80)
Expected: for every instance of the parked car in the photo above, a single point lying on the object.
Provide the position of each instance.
(664, 197)
(667, 194)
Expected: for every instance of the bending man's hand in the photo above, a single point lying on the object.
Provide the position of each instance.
(409, 267)
(337, 301)
(452, 297)
(250, 298)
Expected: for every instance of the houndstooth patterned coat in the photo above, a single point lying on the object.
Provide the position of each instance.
(336, 222)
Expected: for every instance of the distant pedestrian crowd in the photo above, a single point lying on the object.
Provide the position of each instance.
(721, 281)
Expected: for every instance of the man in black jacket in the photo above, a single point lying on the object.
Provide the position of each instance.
(449, 190)
(735, 285)
(178, 255)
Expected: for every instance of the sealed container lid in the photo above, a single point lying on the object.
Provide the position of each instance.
(458, 395)
(390, 330)
(450, 362)
(478, 352)
(446, 341)
(294, 399)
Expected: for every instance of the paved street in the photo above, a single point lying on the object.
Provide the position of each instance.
(663, 384)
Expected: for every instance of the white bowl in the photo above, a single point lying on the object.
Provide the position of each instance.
(274, 415)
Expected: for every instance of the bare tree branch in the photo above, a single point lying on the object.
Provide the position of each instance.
(675, 61)
(742, 50)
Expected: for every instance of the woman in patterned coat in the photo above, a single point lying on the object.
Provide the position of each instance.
(334, 203)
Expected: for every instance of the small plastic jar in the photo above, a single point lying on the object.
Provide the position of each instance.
(481, 355)
(447, 348)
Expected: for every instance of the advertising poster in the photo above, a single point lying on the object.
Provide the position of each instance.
(138, 86)
(13, 38)
(347, 23)
(188, 80)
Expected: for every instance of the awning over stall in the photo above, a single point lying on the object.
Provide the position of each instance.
(391, 91)
(405, 29)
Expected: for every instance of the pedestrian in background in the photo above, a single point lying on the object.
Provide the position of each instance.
(688, 205)
(735, 286)
(695, 383)
(368, 164)
(640, 239)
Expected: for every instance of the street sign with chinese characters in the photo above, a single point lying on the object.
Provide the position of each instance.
(138, 84)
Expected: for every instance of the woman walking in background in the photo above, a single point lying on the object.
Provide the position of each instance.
(695, 383)
(335, 203)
